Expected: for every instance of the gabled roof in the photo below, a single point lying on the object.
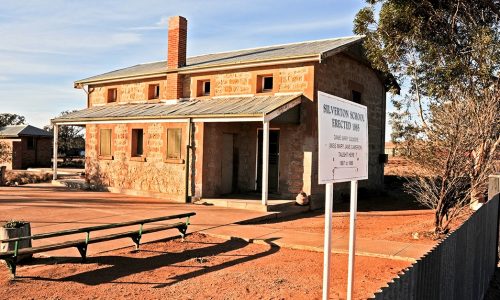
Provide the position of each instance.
(314, 50)
(15, 131)
(217, 107)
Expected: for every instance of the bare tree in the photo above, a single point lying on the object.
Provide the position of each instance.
(458, 147)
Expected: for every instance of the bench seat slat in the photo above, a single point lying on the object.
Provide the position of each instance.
(99, 227)
(96, 239)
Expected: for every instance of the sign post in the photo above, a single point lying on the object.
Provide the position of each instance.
(327, 248)
(352, 237)
(343, 157)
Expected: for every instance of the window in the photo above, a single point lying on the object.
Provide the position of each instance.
(206, 88)
(30, 143)
(105, 142)
(203, 88)
(112, 95)
(356, 96)
(265, 83)
(174, 136)
(137, 142)
(154, 91)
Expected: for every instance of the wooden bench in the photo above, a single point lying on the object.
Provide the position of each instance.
(10, 257)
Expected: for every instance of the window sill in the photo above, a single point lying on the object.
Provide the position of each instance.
(173, 161)
(106, 157)
(266, 92)
(138, 158)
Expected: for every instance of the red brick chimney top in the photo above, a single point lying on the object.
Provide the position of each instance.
(177, 42)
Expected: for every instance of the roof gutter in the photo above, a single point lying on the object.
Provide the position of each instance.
(172, 119)
(81, 83)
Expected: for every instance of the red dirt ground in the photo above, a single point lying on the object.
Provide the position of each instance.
(369, 225)
(200, 268)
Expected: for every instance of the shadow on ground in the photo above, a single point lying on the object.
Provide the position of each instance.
(116, 267)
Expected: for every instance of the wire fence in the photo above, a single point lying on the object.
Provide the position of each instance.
(459, 267)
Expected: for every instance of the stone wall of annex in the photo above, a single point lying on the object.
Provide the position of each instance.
(151, 173)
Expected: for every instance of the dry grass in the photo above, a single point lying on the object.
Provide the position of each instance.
(13, 178)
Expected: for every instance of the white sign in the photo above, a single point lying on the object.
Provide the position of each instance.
(343, 139)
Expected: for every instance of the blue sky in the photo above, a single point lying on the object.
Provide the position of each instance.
(46, 45)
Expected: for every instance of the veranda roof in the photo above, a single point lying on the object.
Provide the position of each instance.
(217, 107)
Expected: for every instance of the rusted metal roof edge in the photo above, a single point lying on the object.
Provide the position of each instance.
(149, 118)
(202, 68)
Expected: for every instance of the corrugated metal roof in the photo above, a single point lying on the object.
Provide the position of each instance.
(22, 130)
(269, 53)
(221, 107)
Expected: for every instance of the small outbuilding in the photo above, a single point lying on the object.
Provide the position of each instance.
(27, 146)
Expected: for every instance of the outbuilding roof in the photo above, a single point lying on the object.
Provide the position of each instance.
(217, 107)
(317, 49)
(14, 131)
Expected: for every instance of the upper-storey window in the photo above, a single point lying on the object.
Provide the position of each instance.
(265, 83)
(203, 88)
(356, 96)
(112, 95)
(154, 91)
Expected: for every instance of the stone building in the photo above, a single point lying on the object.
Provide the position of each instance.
(28, 146)
(207, 126)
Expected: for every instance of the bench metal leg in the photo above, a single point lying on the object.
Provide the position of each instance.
(137, 241)
(182, 230)
(83, 251)
(12, 264)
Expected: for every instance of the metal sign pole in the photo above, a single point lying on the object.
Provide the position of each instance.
(327, 246)
(352, 237)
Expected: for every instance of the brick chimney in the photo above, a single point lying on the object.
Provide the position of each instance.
(176, 57)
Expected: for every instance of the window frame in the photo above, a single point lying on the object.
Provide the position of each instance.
(177, 158)
(134, 143)
(114, 92)
(154, 91)
(201, 88)
(261, 79)
(264, 89)
(354, 94)
(110, 154)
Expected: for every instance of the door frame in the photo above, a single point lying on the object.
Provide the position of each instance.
(257, 156)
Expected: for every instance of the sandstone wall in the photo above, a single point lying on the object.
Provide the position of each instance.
(286, 78)
(152, 172)
(135, 91)
(339, 75)
(296, 146)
